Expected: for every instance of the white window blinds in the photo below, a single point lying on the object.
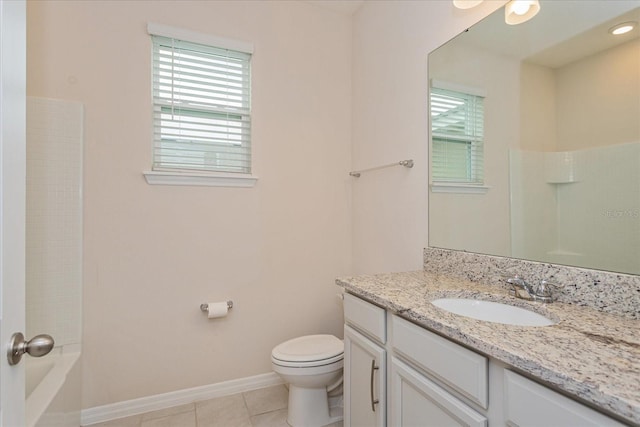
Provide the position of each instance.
(457, 133)
(201, 107)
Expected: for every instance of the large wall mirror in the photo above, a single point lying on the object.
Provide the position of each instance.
(560, 133)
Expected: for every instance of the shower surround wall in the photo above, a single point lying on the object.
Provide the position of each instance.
(54, 259)
(54, 220)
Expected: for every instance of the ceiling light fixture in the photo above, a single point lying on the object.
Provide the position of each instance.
(466, 4)
(623, 28)
(519, 11)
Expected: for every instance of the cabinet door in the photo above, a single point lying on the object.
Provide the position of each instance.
(364, 381)
(417, 401)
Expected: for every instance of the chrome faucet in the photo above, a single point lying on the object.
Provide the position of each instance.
(523, 290)
(520, 288)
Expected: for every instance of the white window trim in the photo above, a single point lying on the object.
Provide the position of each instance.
(209, 179)
(459, 188)
(470, 90)
(195, 37)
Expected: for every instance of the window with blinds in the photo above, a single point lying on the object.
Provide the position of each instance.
(201, 107)
(457, 133)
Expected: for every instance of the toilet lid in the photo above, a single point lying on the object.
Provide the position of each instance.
(309, 348)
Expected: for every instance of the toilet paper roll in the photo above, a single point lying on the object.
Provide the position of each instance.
(217, 309)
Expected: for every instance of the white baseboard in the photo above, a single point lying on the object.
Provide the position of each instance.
(127, 408)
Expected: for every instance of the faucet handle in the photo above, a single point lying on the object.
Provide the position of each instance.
(516, 281)
(544, 288)
(520, 288)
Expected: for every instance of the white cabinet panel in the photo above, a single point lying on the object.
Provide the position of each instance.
(418, 402)
(364, 381)
(529, 404)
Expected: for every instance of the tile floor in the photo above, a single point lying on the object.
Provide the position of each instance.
(265, 407)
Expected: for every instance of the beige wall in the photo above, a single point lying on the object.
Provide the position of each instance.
(154, 253)
(581, 114)
(538, 126)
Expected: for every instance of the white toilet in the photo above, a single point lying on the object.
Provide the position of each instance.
(312, 365)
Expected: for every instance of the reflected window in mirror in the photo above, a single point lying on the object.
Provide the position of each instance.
(457, 134)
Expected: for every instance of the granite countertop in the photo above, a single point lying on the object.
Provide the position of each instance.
(589, 354)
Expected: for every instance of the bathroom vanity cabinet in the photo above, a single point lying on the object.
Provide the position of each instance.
(420, 378)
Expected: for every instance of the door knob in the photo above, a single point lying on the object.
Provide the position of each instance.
(37, 346)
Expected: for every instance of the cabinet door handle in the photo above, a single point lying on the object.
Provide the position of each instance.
(373, 401)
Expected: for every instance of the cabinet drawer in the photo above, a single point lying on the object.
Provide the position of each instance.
(365, 317)
(461, 369)
(528, 403)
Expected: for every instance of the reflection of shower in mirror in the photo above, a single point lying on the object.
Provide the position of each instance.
(584, 199)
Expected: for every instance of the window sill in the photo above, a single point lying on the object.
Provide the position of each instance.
(200, 179)
(459, 188)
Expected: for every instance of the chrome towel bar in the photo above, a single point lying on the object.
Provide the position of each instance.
(406, 163)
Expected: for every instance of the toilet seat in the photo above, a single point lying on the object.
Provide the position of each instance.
(307, 351)
(311, 364)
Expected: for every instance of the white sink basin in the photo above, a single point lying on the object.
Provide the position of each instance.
(492, 312)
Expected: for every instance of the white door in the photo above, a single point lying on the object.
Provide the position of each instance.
(12, 203)
(364, 381)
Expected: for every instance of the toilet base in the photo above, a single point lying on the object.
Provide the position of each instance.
(309, 407)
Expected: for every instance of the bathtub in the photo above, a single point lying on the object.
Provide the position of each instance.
(52, 389)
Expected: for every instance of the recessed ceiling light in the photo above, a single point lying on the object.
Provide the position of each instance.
(623, 28)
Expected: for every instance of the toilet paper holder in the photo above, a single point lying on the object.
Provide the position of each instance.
(205, 307)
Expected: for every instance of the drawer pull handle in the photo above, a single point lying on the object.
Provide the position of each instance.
(373, 401)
